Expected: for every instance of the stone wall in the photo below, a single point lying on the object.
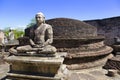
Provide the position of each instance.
(109, 27)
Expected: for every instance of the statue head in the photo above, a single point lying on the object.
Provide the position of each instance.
(10, 30)
(40, 18)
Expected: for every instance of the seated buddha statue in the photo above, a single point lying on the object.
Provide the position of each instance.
(40, 38)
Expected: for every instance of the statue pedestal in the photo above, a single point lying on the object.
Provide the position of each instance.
(38, 68)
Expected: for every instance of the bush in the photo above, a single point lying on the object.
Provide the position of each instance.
(17, 33)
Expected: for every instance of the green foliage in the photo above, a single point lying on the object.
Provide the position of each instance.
(17, 32)
(6, 31)
(31, 23)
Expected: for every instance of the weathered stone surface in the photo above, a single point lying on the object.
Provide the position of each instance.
(90, 53)
(34, 67)
(96, 73)
(71, 28)
(39, 38)
(113, 63)
(4, 68)
(10, 44)
(29, 77)
(116, 48)
(81, 44)
(86, 62)
(24, 41)
(69, 33)
(46, 65)
(109, 27)
(86, 77)
(99, 73)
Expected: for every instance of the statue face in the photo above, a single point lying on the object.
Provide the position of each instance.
(39, 19)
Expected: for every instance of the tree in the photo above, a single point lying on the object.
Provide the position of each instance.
(33, 21)
(17, 32)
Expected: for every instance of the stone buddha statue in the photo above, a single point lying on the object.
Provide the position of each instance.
(11, 35)
(40, 38)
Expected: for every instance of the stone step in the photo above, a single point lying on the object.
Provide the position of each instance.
(91, 53)
(29, 77)
(83, 64)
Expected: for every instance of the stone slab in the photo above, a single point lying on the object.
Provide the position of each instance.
(42, 65)
(40, 68)
(29, 77)
(31, 54)
(97, 72)
(47, 60)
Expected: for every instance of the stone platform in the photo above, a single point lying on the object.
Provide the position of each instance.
(88, 59)
(34, 68)
(96, 73)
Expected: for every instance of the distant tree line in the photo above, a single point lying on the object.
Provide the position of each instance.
(17, 32)
(31, 23)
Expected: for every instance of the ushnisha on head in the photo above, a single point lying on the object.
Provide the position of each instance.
(40, 18)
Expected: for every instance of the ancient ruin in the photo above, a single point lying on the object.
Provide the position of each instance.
(40, 38)
(37, 59)
(109, 27)
(114, 63)
(11, 35)
(80, 40)
(78, 47)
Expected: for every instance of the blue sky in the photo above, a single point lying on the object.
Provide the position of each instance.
(18, 13)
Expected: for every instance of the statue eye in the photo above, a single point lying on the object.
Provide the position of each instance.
(38, 17)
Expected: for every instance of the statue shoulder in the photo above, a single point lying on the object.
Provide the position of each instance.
(31, 27)
(47, 26)
(29, 30)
